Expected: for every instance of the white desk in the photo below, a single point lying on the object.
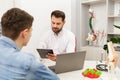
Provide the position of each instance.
(76, 75)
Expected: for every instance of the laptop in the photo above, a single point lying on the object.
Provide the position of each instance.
(69, 62)
(44, 52)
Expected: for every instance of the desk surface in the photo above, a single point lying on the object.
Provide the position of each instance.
(76, 75)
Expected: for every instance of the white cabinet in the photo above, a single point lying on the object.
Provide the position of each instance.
(106, 12)
(98, 54)
(95, 53)
(99, 22)
(113, 18)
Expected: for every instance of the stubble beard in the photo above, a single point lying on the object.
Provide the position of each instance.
(56, 31)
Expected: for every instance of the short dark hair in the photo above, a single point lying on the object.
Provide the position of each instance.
(58, 14)
(14, 21)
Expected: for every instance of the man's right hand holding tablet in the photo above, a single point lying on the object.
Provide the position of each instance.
(51, 56)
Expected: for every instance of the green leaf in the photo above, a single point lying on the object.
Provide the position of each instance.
(114, 40)
(117, 26)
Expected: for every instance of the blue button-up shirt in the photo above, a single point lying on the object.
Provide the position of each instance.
(17, 65)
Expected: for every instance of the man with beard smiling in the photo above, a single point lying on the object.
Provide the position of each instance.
(58, 38)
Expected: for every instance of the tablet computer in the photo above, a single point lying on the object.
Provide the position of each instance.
(44, 52)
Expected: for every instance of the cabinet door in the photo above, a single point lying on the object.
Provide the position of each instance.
(95, 53)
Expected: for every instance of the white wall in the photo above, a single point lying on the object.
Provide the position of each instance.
(75, 20)
(41, 11)
(4, 6)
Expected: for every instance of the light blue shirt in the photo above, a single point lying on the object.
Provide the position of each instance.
(17, 65)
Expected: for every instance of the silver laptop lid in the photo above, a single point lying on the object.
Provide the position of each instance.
(70, 61)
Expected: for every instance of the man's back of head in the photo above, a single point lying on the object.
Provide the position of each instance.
(14, 21)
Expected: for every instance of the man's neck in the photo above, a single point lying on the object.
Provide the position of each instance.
(19, 44)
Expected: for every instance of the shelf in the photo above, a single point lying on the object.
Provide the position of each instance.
(114, 16)
(89, 2)
(116, 0)
(113, 33)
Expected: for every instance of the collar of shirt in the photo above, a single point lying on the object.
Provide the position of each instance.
(9, 42)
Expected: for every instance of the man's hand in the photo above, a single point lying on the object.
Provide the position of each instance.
(51, 57)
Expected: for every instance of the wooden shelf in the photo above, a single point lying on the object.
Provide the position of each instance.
(89, 2)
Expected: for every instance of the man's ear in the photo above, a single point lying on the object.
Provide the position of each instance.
(64, 21)
(24, 33)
